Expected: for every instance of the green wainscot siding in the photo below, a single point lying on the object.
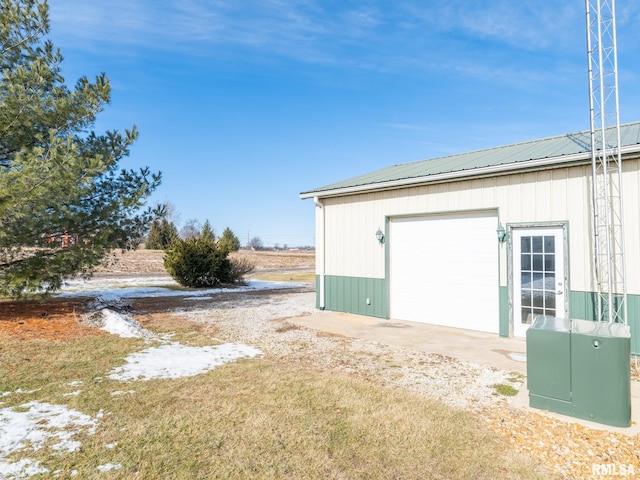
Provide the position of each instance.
(350, 294)
(583, 306)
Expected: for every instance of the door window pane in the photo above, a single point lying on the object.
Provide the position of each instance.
(538, 281)
(549, 300)
(550, 281)
(525, 298)
(538, 300)
(549, 263)
(536, 244)
(537, 262)
(549, 244)
(525, 244)
(525, 262)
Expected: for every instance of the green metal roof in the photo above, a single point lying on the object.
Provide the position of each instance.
(558, 150)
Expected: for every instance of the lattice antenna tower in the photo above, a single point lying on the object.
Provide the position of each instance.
(606, 162)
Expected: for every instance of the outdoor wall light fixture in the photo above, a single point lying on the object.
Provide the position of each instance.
(380, 236)
(502, 234)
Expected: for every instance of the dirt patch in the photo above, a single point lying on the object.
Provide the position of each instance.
(52, 320)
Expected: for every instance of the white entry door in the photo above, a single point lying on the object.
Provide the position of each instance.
(538, 275)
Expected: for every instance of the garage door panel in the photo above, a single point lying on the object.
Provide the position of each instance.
(444, 270)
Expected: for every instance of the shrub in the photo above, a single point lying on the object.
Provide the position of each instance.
(197, 262)
(240, 266)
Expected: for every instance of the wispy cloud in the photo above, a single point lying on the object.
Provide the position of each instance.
(272, 23)
(526, 24)
(367, 35)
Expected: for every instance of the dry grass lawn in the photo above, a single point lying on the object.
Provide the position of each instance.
(252, 419)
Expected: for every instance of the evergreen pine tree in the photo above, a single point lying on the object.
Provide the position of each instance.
(229, 242)
(207, 232)
(161, 235)
(65, 200)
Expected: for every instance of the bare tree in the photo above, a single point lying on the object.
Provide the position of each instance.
(256, 244)
(191, 229)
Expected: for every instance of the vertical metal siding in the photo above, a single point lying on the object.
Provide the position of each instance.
(561, 194)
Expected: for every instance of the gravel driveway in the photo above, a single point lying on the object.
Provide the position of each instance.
(261, 322)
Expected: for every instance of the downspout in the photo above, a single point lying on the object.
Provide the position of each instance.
(320, 254)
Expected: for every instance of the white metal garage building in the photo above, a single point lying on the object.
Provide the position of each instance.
(437, 257)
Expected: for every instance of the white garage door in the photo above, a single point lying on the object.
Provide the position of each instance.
(444, 270)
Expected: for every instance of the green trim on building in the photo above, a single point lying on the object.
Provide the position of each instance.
(583, 306)
(504, 311)
(350, 294)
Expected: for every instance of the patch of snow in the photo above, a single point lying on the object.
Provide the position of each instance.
(72, 394)
(25, 467)
(174, 361)
(30, 429)
(121, 392)
(121, 325)
(116, 323)
(19, 390)
(109, 466)
(97, 283)
(75, 383)
(112, 290)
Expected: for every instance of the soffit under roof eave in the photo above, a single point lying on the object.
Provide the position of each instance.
(573, 160)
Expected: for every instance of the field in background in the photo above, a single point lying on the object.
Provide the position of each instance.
(277, 265)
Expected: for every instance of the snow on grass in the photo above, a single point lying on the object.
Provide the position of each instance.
(33, 424)
(114, 289)
(174, 361)
(29, 426)
(109, 466)
(117, 324)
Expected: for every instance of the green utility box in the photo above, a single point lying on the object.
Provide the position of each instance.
(549, 364)
(601, 372)
(580, 368)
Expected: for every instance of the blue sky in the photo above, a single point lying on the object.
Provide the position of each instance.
(244, 104)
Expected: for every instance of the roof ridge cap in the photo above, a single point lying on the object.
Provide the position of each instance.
(501, 147)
